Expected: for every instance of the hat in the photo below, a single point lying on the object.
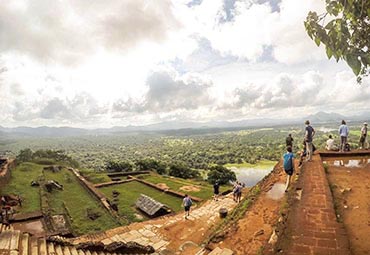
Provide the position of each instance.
(365, 123)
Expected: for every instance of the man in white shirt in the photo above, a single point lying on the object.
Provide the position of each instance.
(330, 146)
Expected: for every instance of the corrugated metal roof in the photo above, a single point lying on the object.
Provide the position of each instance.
(149, 205)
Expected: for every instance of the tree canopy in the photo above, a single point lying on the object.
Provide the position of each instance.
(220, 174)
(344, 30)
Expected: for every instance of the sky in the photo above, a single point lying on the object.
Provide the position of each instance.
(96, 64)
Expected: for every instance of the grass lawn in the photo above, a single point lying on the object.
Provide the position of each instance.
(95, 177)
(205, 189)
(130, 192)
(355, 132)
(19, 184)
(77, 201)
(262, 164)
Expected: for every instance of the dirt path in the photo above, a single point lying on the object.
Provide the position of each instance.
(254, 230)
(350, 182)
(171, 234)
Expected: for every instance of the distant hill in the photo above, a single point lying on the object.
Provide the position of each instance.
(186, 126)
(324, 117)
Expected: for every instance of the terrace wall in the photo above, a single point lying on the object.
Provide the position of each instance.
(105, 184)
(96, 193)
(174, 193)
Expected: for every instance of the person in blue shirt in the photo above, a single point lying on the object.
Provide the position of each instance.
(288, 166)
(343, 132)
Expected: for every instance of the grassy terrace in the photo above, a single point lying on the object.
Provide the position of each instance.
(19, 184)
(77, 201)
(95, 177)
(205, 190)
(130, 192)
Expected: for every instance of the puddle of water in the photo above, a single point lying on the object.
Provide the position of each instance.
(34, 227)
(277, 191)
(350, 163)
(250, 176)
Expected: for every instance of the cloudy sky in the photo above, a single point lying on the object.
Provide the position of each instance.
(100, 64)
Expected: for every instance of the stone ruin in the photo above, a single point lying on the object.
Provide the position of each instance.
(152, 207)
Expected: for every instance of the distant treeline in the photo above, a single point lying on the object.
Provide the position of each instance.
(46, 157)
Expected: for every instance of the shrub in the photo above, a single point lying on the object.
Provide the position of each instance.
(118, 166)
(182, 171)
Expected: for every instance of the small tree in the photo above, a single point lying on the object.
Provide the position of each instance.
(25, 155)
(220, 174)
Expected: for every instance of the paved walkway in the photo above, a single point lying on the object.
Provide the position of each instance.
(151, 232)
(312, 227)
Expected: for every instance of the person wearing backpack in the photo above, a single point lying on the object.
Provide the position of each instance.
(187, 203)
(288, 166)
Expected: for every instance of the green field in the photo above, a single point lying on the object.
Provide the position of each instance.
(130, 192)
(20, 181)
(175, 184)
(77, 201)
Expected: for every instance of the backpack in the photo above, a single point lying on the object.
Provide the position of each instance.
(188, 202)
(347, 147)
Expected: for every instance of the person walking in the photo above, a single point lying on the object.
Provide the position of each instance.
(289, 140)
(363, 142)
(187, 203)
(308, 137)
(288, 166)
(237, 192)
(216, 191)
(343, 133)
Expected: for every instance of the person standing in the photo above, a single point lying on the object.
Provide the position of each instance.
(363, 142)
(343, 133)
(289, 140)
(308, 137)
(288, 166)
(187, 203)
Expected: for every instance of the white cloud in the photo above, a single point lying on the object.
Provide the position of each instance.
(256, 26)
(88, 63)
(167, 92)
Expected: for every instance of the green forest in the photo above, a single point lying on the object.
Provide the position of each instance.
(194, 149)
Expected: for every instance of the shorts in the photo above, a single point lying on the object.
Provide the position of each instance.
(187, 208)
(289, 171)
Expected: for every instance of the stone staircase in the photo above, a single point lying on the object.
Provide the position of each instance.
(13, 242)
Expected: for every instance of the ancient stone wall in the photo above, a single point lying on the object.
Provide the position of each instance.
(96, 193)
(105, 184)
(172, 192)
